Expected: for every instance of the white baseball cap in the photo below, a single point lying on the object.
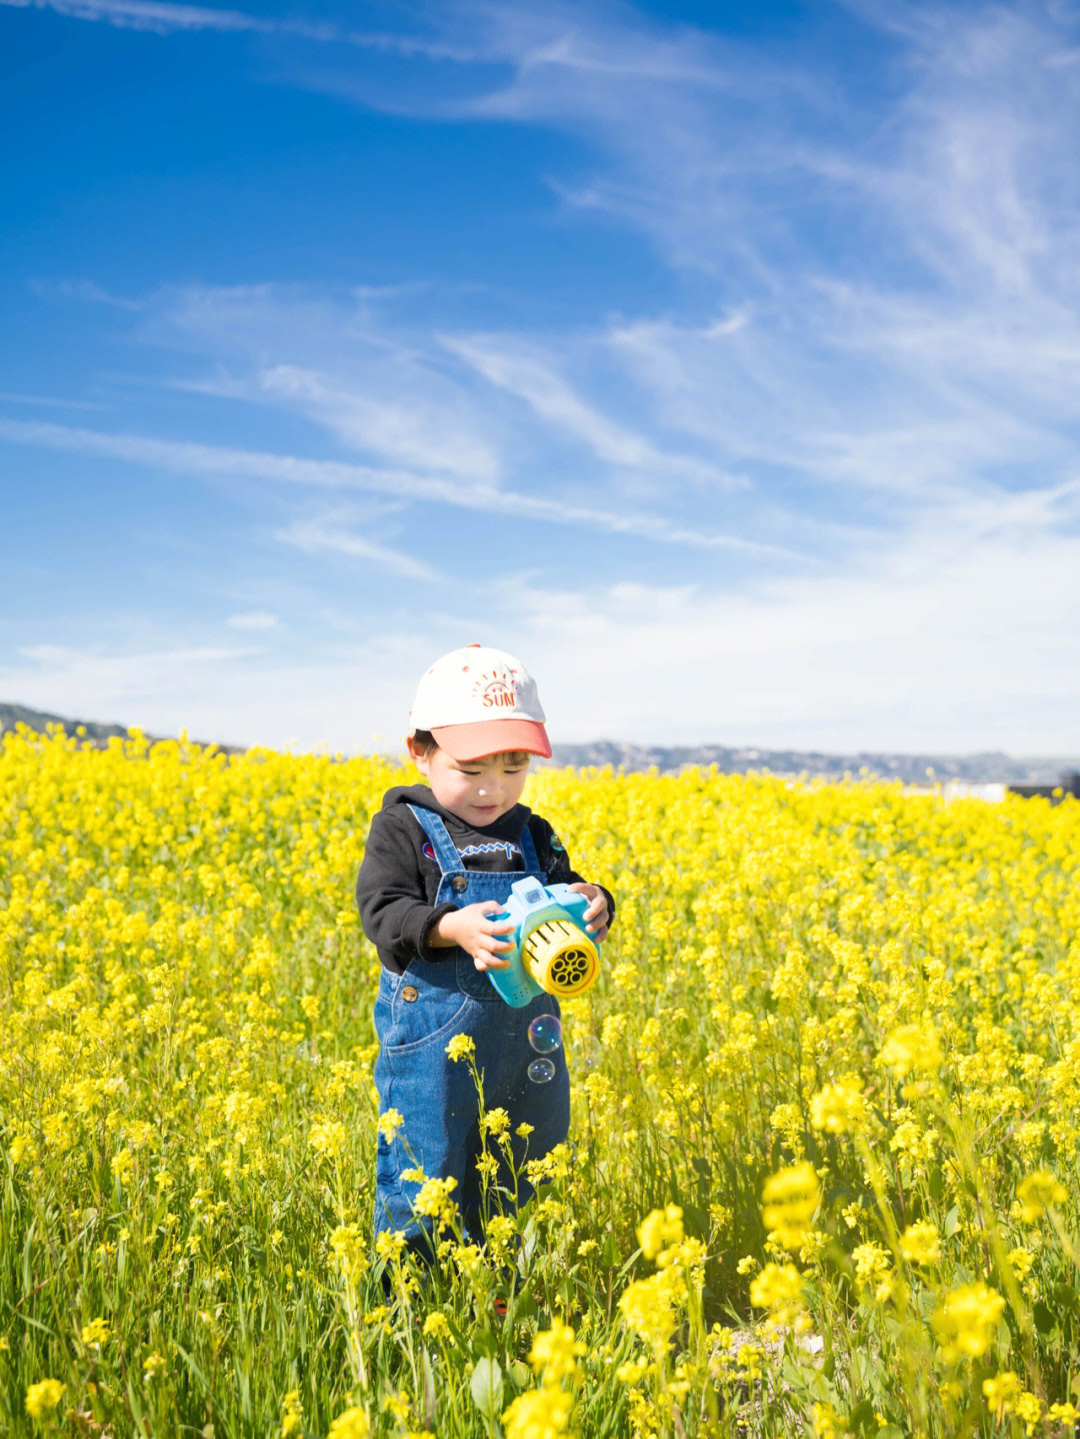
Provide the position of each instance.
(478, 701)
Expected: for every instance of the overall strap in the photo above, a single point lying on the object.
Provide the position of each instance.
(446, 851)
(528, 852)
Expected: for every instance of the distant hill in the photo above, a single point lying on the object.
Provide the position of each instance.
(988, 768)
(93, 733)
(12, 715)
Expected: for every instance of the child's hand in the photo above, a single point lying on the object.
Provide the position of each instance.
(596, 916)
(481, 937)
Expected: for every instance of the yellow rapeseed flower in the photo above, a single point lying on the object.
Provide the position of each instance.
(1000, 1391)
(292, 1413)
(911, 1048)
(966, 1321)
(164, 908)
(153, 1367)
(555, 1352)
(779, 1289)
(920, 1243)
(659, 1229)
(650, 1306)
(121, 1164)
(1037, 1192)
(351, 1423)
(826, 1423)
(389, 1124)
(434, 1202)
(789, 1201)
(840, 1108)
(389, 1243)
(872, 1263)
(328, 1137)
(1028, 1409)
(542, 1413)
(349, 1250)
(96, 1332)
(43, 1396)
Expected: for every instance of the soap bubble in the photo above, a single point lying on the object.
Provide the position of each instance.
(541, 1070)
(545, 1033)
(588, 1053)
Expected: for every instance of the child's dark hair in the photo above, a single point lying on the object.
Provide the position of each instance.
(425, 743)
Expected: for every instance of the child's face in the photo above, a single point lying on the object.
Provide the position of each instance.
(479, 791)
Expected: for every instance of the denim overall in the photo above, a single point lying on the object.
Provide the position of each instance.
(416, 1015)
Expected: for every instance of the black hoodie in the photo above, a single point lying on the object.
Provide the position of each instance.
(398, 881)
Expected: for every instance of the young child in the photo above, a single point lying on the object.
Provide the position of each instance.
(439, 863)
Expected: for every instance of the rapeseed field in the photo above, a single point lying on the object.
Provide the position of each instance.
(824, 1159)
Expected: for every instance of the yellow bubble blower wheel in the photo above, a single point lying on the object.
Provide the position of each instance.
(552, 953)
(561, 958)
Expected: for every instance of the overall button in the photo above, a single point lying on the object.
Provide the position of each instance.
(408, 994)
(459, 883)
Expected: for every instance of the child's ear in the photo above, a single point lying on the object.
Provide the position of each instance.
(418, 756)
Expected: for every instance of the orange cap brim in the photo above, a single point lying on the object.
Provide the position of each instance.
(474, 741)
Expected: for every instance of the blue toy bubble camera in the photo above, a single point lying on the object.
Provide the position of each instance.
(552, 953)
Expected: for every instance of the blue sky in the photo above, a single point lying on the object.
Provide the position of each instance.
(721, 362)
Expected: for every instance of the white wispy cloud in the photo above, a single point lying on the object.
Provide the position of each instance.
(386, 385)
(83, 290)
(14, 397)
(331, 534)
(959, 167)
(230, 696)
(960, 639)
(254, 620)
(970, 175)
(533, 378)
(956, 359)
(868, 352)
(407, 428)
(949, 359)
(57, 676)
(189, 458)
(163, 18)
(956, 641)
(334, 359)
